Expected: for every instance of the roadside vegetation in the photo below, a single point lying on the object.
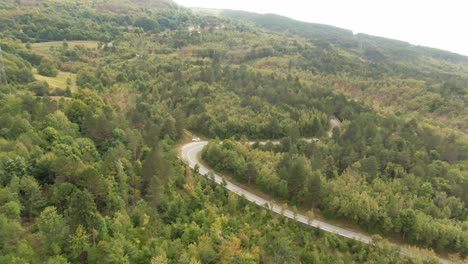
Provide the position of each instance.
(88, 134)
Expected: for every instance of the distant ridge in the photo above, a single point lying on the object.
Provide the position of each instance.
(111, 5)
(343, 38)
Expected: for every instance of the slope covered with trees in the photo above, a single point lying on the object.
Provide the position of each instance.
(386, 72)
(89, 171)
(80, 183)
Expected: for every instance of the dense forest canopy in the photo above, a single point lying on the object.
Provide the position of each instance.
(97, 96)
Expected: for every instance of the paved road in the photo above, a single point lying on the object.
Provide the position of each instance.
(190, 153)
(277, 142)
(334, 122)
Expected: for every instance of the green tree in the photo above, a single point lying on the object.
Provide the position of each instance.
(47, 68)
(79, 244)
(82, 212)
(408, 221)
(57, 260)
(313, 192)
(39, 88)
(30, 196)
(54, 230)
(295, 170)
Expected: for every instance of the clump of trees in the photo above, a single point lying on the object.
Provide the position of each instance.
(47, 68)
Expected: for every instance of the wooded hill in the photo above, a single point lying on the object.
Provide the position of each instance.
(89, 133)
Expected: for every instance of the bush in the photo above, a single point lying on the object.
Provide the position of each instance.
(39, 88)
(47, 69)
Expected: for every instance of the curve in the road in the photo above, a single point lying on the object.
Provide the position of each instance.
(190, 153)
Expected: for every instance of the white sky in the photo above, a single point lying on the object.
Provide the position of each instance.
(440, 24)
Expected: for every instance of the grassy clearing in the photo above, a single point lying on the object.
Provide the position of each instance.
(60, 81)
(43, 47)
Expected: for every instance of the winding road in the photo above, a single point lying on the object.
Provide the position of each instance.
(190, 153)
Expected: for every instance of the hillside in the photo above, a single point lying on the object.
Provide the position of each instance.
(368, 62)
(338, 36)
(99, 96)
(98, 4)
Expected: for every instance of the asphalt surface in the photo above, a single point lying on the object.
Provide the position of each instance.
(190, 153)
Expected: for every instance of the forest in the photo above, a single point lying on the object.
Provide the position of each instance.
(98, 96)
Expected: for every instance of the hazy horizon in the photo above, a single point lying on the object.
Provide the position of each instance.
(434, 24)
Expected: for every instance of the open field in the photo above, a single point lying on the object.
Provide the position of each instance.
(42, 47)
(60, 81)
